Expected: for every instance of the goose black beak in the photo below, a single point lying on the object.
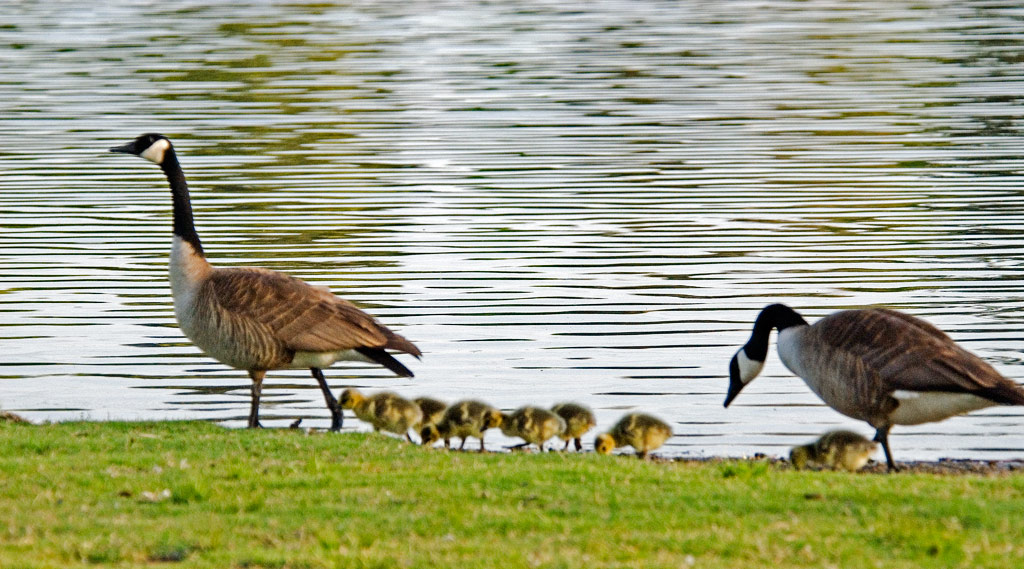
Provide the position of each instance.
(735, 383)
(124, 149)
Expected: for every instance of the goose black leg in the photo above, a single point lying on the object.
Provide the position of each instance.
(256, 389)
(882, 437)
(579, 444)
(337, 415)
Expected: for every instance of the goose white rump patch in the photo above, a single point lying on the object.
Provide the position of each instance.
(325, 359)
(918, 407)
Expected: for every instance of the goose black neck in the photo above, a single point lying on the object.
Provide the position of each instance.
(184, 227)
(772, 316)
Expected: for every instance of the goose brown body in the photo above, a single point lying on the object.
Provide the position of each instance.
(878, 365)
(252, 318)
(881, 352)
(257, 319)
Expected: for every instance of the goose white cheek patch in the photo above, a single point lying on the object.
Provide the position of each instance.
(155, 152)
(749, 368)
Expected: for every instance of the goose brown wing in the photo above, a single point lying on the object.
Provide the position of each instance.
(910, 354)
(301, 316)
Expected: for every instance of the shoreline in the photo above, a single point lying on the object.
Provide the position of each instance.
(941, 467)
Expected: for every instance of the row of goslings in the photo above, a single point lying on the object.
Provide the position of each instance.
(435, 420)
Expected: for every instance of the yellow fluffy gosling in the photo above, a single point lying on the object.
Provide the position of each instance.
(835, 449)
(432, 409)
(464, 419)
(578, 420)
(641, 431)
(386, 411)
(535, 425)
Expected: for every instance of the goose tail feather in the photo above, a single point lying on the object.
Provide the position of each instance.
(385, 359)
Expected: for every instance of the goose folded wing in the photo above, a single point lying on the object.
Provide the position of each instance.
(910, 354)
(946, 367)
(301, 316)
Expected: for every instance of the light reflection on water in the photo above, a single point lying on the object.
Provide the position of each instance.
(553, 204)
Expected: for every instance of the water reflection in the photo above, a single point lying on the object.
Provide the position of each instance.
(554, 204)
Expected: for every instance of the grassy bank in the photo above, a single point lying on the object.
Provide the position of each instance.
(197, 495)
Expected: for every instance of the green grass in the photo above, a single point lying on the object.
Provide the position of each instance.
(93, 494)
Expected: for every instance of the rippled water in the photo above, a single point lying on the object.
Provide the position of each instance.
(553, 203)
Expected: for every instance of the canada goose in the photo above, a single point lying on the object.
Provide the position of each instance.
(256, 319)
(385, 410)
(578, 420)
(835, 449)
(877, 365)
(8, 417)
(535, 425)
(641, 431)
(464, 419)
(432, 410)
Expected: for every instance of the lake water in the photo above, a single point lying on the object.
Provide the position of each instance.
(588, 204)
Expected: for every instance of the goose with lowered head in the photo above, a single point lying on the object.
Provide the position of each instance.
(878, 365)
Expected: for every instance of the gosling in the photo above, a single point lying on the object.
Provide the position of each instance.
(464, 419)
(578, 420)
(835, 449)
(641, 431)
(535, 425)
(432, 410)
(385, 410)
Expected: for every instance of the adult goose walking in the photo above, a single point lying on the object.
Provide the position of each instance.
(877, 365)
(257, 319)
